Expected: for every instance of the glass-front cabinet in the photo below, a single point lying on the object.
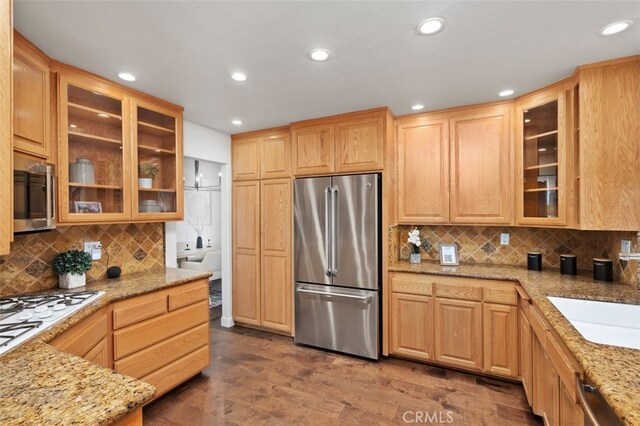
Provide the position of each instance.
(541, 159)
(94, 175)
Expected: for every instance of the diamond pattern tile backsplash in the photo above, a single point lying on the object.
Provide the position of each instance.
(132, 247)
(480, 244)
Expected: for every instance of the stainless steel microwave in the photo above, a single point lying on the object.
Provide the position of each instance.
(34, 196)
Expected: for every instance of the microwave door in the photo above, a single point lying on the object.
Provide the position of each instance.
(37, 196)
(20, 191)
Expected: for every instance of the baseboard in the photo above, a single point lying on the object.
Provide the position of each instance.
(227, 322)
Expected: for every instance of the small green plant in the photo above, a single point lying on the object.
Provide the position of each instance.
(150, 170)
(72, 262)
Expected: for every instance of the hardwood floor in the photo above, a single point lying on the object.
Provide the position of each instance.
(259, 378)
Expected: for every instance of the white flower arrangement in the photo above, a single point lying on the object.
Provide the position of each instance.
(198, 227)
(414, 238)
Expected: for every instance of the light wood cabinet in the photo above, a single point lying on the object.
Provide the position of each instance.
(6, 126)
(456, 167)
(481, 183)
(246, 252)
(90, 339)
(265, 154)
(360, 145)
(412, 326)
(423, 169)
(313, 150)
(31, 100)
(500, 339)
(458, 332)
(246, 158)
(276, 275)
(526, 352)
(275, 155)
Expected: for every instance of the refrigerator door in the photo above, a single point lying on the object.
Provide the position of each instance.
(311, 230)
(339, 319)
(356, 232)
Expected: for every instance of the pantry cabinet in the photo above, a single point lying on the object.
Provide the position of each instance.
(246, 158)
(31, 100)
(6, 126)
(265, 154)
(275, 155)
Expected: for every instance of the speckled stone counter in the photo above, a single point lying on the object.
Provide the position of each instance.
(41, 385)
(614, 370)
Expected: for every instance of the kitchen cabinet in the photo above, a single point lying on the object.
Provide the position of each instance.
(265, 154)
(360, 144)
(313, 149)
(458, 332)
(500, 339)
(6, 126)
(455, 167)
(31, 100)
(246, 158)
(412, 326)
(525, 350)
(542, 158)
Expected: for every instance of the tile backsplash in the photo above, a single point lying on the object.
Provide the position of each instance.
(480, 244)
(132, 247)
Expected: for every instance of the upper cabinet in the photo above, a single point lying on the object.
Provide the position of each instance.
(265, 154)
(119, 157)
(456, 167)
(541, 158)
(6, 131)
(341, 144)
(31, 100)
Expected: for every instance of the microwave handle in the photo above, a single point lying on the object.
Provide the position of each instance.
(51, 197)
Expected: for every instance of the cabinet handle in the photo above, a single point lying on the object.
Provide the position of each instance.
(582, 389)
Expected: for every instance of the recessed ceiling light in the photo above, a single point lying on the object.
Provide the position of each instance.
(127, 76)
(319, 55)
(542, 149)
(238, 76)
(103, 115)
(431, 26)
(236, 122)
(527, 120)
(615, 28)
(507, 92)
(417, 107)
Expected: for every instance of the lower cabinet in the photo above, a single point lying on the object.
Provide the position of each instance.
(458, 325)
(526, 354)
(501, 337)
(412, 325)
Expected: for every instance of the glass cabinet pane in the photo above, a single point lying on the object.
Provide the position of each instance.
(156, 162)
(95, 152)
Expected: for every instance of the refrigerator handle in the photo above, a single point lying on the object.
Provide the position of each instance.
(327, 194)
(334, 227)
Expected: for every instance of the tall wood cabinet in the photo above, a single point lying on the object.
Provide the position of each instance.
(455, 167)
(6, 126)
(262, 228)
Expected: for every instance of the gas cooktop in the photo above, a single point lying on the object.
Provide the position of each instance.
(22, 317)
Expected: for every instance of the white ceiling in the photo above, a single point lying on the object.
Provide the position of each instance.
(185, 51)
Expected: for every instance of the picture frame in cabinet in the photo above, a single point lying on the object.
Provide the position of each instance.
(449, 255)
(91, 207)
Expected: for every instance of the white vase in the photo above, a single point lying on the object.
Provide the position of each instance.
(145, 182)
(415, 258)
(72, 280)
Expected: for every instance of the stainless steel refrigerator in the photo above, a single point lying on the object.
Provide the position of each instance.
(337, 263)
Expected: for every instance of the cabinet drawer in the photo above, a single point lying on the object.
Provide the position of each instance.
(148, 360)
(564, 364)
(504, 294)
(147, 333)
(412, 284)
(188, 294)
(178, 371)
(83, 337)
(139, 309)
(462, 290)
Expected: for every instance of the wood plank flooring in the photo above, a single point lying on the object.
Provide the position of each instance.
(259, 378)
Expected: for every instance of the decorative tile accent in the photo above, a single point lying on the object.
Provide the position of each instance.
(132, 247)
(481, 244)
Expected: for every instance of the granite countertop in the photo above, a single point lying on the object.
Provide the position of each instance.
(614, 370)
(41, 385)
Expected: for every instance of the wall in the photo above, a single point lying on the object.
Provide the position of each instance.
(210, 145)
(133, 247)
(185, 232)
(482, 245)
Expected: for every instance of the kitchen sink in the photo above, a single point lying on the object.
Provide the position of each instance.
(616, 324)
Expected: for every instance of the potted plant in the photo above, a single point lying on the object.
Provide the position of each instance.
(72, 266)
(414, 240)
(147, 172)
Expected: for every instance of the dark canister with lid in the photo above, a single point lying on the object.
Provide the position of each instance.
(602, 269)
(568, 264)
(534, 261)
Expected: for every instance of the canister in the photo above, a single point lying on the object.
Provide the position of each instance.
(568, 264)
(602, 269)
(534, 261)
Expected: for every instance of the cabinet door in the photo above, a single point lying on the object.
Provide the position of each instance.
(501, 339)
(412, 326)
(526, 357)
(31, 100)
(313, 149)
(541, 159)
(275, 156)
(360, 145)
(481, 183)
(458, 331)
(276, 288)
(6, 132)
(99, 354)
(94, 155)
(570, 412)
(157, 137)
(246, 252)
(423, 170)
(83, 338)
(246, 158)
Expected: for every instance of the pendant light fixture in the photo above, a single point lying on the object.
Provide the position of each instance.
(197, 186)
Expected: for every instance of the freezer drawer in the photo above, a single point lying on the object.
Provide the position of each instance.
(337, 318)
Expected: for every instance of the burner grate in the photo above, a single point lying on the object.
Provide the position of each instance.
(13, 330)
